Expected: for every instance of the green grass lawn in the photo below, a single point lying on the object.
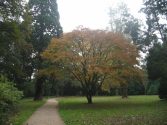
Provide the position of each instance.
(136, 110)
(26, 108)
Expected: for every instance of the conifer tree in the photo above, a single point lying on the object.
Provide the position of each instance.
(156, 14)
(45, 25)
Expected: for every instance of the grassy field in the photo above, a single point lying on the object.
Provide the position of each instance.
(136, 110)
(26, 108)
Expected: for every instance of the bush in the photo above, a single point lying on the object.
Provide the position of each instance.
(9, 97)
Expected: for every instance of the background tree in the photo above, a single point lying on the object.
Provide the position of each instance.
(45, 23)
(124, 77)
(15, 48)
(91, 57)
(156, 15)
(121, 21)
(156, 33)
(11, 10)
(156, 65)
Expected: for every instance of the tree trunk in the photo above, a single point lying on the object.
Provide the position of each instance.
(89, 99)
(124, 91)
(39, 88)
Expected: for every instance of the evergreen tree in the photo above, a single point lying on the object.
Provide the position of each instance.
(45, 25)
(157, 67)
(156, 14)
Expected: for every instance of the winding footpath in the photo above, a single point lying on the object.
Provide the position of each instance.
(46, 115)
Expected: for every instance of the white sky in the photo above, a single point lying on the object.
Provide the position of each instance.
(90, 13)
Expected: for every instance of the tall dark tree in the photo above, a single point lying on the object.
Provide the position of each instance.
(15, 51)
(11, 9)
(156, 14)
(156, 35)
(157, 67)
(46, 25)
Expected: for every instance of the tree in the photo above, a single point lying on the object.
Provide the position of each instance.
(15, 48)
(122, 21)
(91, 57)
(156, 66)
(156, 14)
(124, 76)
(156, 20)
(45, 23)
(11, 9)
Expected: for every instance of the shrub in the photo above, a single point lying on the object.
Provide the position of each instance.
(9, 97)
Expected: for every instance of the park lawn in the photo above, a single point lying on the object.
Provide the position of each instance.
(25, 110)
(136, 110)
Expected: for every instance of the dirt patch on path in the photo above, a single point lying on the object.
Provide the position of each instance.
(46, 115)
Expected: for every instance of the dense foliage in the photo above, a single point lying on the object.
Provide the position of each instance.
(156, 36)
(95, 58)
(45, 23)
(82, 62)
(15, 48)
(9, 97)
(157, 67)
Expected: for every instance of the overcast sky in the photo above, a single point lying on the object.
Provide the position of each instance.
(90, 13)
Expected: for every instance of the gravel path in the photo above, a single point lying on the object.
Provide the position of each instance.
(46, 115)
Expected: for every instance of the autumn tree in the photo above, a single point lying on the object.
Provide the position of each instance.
(45, 23)
(123, 22)
(92, 57)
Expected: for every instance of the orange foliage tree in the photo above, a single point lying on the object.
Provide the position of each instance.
(95, 58)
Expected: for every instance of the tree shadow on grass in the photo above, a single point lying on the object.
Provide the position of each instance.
(111, 104)
(116, 111)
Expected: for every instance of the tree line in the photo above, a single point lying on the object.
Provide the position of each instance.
(38, 57)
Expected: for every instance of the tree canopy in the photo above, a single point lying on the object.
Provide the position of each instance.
(92, 57)
(156, 37)
(15, 48)
(45, 23)
(156, 15)
(157, 67)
